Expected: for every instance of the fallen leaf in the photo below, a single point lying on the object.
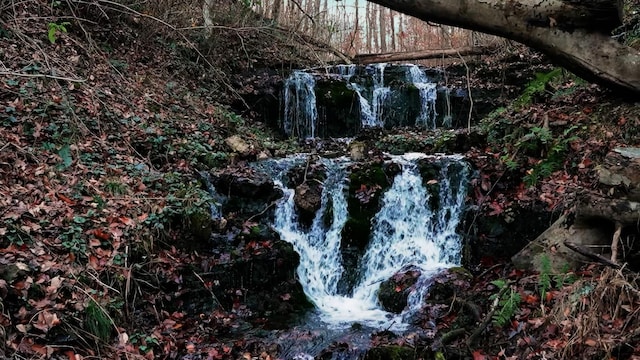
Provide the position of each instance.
(46, 321)
(478, 355)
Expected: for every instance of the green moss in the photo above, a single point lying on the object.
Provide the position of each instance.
(358, 226)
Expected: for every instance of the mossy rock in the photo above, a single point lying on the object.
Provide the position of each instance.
(337, 115)
(200, 225)
(368, 182)
(394, 292)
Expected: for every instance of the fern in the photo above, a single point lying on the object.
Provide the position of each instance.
(544, 281)
(508, 303)
(537, 86)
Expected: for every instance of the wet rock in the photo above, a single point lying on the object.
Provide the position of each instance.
(448, 283)
(393, 293)
(308, 199)
(246, 182)
(368, 182)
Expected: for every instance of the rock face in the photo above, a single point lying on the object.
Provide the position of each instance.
(598, 224)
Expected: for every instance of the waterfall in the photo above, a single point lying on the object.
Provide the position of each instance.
(300, 113)
(406, 232)
(380, 95)
(428, 94)
(371, 111)
(345, 71)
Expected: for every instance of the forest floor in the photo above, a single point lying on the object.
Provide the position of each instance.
(105, 124)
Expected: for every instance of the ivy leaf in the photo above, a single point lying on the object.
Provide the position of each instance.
(65, 155)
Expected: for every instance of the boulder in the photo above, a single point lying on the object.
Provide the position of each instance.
(246, 182)
(394, 293)
(308, 199)
(357, 150)
(238, 145)
(597, 224)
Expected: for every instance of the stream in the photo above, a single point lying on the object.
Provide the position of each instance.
(413, 230)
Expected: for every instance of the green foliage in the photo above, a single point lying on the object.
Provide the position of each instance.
(115, 187)
(72, 237)
(54, 28)
(119, 65)
(556, 150)
(537, 86)
(508, 303)
(544, 279)
(65, 155)
(97, 321)
(187, 206)
(548, 278)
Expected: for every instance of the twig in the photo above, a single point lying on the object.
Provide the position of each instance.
(261, 212)
(210, 291)
(451, 335)
(615, 242)
(595, 257)
(489, 270)
(487, 318)
(10, 73)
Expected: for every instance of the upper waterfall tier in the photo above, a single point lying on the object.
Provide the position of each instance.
(339, 101)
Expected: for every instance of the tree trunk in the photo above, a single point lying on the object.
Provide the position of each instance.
(571, 32)
(382, 24)
(419, 55)
(275, 10)
(392, 27)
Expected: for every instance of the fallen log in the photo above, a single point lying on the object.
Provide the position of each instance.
(574, 34)
(420, 55)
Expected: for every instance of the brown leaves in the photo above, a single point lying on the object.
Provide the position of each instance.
(46, 321)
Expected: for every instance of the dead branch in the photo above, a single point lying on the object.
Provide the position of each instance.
(595, 257)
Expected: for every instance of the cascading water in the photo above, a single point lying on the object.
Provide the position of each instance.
(345, 71)
(406, 232)
(380, 94)
(428, 95)
(300, 113)
(370, 110)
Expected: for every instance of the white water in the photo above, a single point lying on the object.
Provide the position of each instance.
(300, 115)
(428, 95)
(406, 232)
(371, 110)
(345, 71)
